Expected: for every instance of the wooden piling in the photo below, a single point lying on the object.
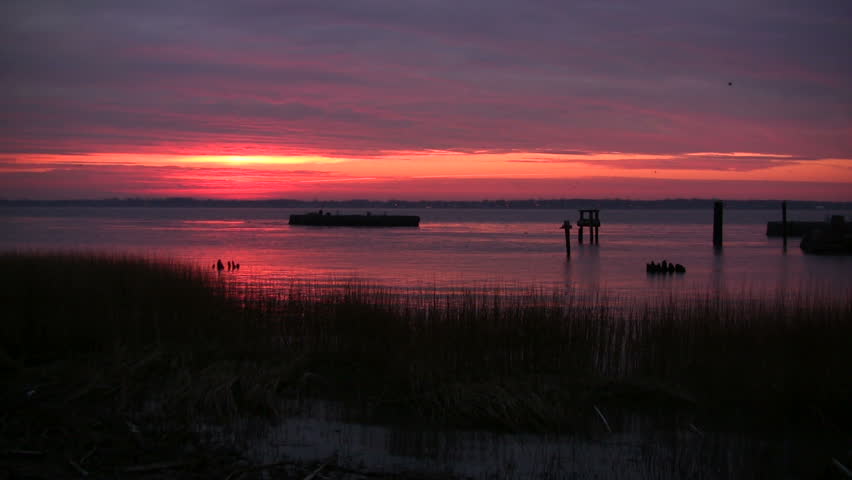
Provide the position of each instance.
(580, 235)
(717, 224)
(784, 222)
(566, 225)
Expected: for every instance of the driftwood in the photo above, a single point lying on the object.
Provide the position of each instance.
(696, 429)
(87, 455)
(76, 466)
(606, 423)
(315, 472)
(23, 453)
(154, 467)
(842, 468)
(255, 468)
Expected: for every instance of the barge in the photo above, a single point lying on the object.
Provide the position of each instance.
(326, 219)
(799, 228)
(836, 239)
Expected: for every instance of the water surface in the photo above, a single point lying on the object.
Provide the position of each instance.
(452, 249)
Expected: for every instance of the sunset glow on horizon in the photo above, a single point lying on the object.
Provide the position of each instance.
(425, 101)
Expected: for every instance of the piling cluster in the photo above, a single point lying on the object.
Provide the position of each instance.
(665, 267)
(232, 265)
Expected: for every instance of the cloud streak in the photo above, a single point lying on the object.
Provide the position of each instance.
(740, 162)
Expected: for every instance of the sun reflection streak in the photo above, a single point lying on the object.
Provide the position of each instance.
(260, 160)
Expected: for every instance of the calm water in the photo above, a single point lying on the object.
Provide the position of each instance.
(452, 248)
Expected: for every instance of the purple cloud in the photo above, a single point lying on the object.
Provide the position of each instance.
(361, 78)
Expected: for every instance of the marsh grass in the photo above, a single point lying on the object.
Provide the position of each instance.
(177, 341)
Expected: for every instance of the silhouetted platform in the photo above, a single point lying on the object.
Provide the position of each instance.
(827, 243)
(834, 238)
(798, 229)
(328, 220)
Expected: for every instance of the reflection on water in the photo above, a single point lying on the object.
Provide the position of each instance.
(718, 276)
(584, 268)
(452, 249)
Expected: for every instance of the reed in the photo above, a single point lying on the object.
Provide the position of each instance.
(539, 360)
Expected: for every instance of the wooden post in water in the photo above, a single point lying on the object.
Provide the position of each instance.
(597, 223)
(717, 224)
(580, 234)
(784, 222)
(566, 225)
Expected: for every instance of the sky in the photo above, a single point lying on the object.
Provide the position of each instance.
(426, 99)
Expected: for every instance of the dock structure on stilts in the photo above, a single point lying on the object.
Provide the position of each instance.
(589, 218)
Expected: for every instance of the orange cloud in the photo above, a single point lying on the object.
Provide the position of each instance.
(266, 176)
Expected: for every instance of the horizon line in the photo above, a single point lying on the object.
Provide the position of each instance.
(424, 201)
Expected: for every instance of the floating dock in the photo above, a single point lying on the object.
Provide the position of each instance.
(326, 219)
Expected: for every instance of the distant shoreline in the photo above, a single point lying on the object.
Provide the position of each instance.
(538, 204)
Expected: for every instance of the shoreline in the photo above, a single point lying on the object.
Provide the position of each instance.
(128, 339)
